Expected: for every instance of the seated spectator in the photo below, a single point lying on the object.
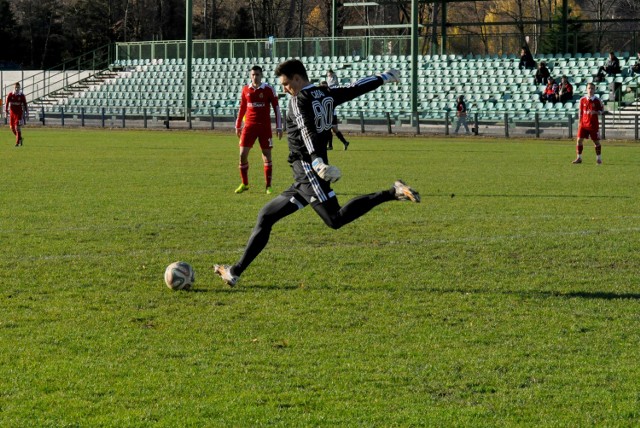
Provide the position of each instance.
(542, 74)
(526, 59)
(612, 66)
(635, 68)
(550, 91)
(332, 78)
(565, 90)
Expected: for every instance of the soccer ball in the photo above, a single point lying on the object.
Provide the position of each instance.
(179, 276)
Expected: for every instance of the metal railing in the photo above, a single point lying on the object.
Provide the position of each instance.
(42, 84)
(501, 124)
(465, 44)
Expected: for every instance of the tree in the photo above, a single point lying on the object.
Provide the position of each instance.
(88, 25)
(477, 37)
(8, 29)
(41, 24)
(43, 33)
(603, 9)
(553, 40)
(240, 29)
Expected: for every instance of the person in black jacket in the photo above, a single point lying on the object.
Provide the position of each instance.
(565, 90)
(526, 59)
(612, 66)
(635, 68)
(542, 74)
(308, 125)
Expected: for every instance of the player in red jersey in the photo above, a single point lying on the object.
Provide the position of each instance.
(256, 100)
(588, 126)
(16, 109)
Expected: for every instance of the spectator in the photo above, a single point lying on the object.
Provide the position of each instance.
(565, 90)
(542, 74)
(461, 113)
(550, 91)
(635, 68)
(526, 59)
(612, 66)
(332, 78)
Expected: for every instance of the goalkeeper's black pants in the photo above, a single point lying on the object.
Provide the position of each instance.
(296, 198)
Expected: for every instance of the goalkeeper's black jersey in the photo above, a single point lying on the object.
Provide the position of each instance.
(310, 114)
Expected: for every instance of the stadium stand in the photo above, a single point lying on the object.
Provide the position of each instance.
(493, 85)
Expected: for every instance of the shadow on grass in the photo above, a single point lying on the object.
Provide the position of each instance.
(541, 196)
(601, 295)
(244, 288)
(257, 287)
(595, 295)
(462, 195)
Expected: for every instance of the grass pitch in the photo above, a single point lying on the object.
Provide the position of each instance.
(509, 297)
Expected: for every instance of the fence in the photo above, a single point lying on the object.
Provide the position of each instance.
(493, 44)
(355, 121)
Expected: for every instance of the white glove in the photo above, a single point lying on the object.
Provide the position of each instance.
(326, 172)
(390, 76)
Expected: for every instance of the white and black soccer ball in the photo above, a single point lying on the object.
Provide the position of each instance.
(179, 276)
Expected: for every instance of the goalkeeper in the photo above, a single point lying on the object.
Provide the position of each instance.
(308, 124)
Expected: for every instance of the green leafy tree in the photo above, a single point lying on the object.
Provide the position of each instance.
(553, 40)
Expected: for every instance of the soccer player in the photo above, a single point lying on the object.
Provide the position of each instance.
(255, 102)
(588, 126)
(308, 124)
(16, 108)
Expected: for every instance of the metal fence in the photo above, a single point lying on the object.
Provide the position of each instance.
(467, 44)
(441, 122)
(37, 84)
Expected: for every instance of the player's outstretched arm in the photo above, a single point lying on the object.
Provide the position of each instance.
(367, 84)
(390, 76)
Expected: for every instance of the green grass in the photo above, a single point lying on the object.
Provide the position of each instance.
(509, 297)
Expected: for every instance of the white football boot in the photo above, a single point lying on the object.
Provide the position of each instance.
(405, 193)
(224, 272)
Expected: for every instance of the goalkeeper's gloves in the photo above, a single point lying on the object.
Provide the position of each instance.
(390, 76)
(326, 172)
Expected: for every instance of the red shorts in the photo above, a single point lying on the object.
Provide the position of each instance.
(251, 133)
(15, 120)
(594, 134)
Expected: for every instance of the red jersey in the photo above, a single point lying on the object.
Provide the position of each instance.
(16, 104)
(588, 112)
(255, 105)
